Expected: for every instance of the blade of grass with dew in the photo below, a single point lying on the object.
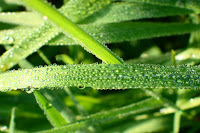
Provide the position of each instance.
(114, 12)
(190, 4)
(54, 99)
(177, 114)
(54, 116)
(36, 39)
(127, 31)
(72, 30)
(111, 33)
(124, 11)
(57, 106)
(12, 121)
(102, 76)
(103, 117)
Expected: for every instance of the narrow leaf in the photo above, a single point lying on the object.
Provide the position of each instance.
(102, 76)
(72, 30)
(102, 117)
(52, 114)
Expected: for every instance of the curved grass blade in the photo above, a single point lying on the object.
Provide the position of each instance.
(32, 42)
(102, 76)
(72, 30)
(102, 117)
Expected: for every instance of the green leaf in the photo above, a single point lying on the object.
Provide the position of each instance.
(102, 76)
(114, 12)
(72, 30)
(103, 117)
(12, 121)
(33, 41)
(52, 114)
(191, 4)
(109, 33)
(124, 11)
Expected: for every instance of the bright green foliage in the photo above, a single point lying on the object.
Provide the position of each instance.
(85, 96)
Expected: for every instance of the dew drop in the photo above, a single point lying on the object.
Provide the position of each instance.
(48, 105)
(3, 67)
(29, 90)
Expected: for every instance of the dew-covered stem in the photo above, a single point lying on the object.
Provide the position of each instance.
(72, 30)
(103, 76)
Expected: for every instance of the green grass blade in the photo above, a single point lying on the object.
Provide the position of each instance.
(114, 12)
(52, 114)
(111, 33)
(12, 121)
(191, 4)
(58, 104)
(102, 117)
(31, 42)
(102, 76)
(124, 11)
(126, 31)
(72, 30)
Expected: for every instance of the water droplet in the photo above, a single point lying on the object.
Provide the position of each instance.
(29, 90)
(3, 67)
(48, 105)
(45, 17)
(3, 128)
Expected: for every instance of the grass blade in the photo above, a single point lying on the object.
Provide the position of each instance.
(114, 12)
(72, 30)
(102, 117)
(52, 114)
(12, 121)
(102, 76)
(34, 40)
(110, 33)
(124, 11)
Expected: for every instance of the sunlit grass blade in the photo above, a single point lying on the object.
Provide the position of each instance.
(72, 30)
(102, 76)
(102, 117)
(33, 41)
